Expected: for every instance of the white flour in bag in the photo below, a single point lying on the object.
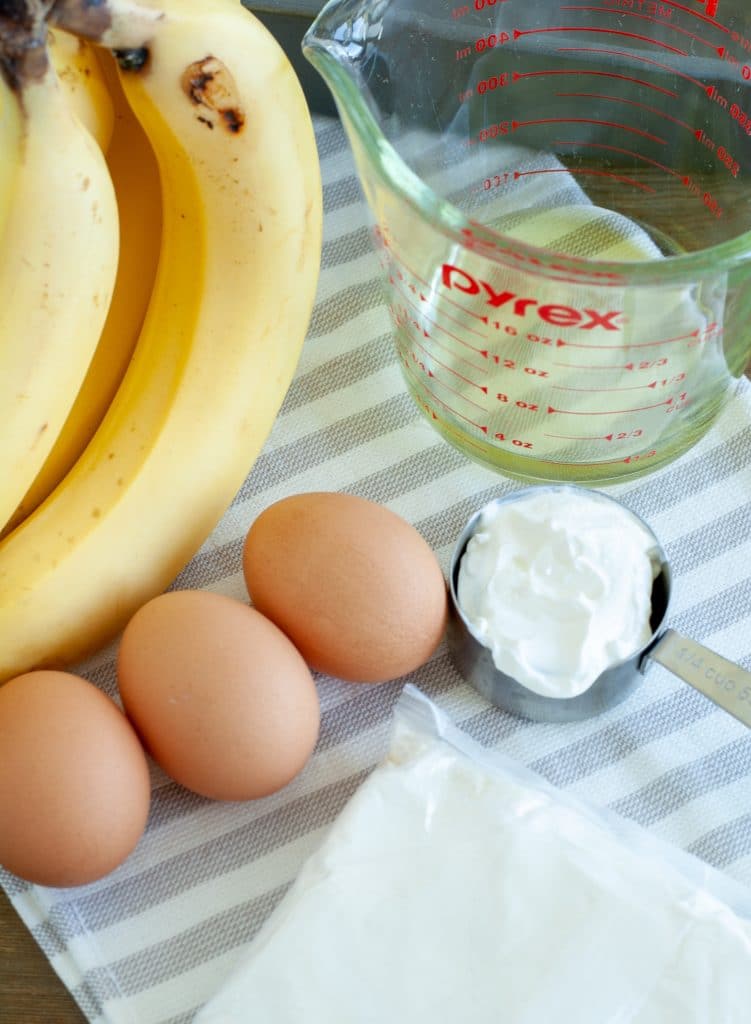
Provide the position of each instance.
(457, 887)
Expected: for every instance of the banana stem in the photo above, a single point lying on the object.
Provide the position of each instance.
(23, 41)
(82, 17)
(116, 24)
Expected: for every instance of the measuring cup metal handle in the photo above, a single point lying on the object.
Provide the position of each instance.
(722, 681)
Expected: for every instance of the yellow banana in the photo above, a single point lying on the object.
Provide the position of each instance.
(135, 174)
(231, 304)
(58, 259)
(81, 78)
(10, 148)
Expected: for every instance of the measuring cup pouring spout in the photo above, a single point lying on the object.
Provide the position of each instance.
(728, 685)
(560, 208)
(342, 44)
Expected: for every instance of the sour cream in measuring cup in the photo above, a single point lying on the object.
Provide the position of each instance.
(557, 584)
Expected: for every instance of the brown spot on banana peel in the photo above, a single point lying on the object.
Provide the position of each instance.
(209, 85)
(41, 431)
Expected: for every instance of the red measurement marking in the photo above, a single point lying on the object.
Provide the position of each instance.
(453, 391)
(447, 316)
(601, 74)
(630, 103)
(515, 125)
(643, 344)
(632, 56)
(450, 369)
(477, 316)
(615, 149)
(434, 323)
(439, 326)
(589, 366)
(648, 364)
(586, 171)
(601, 390)
(589, 462)
(710, 203)
(708, 17)
(609, 412)
(662, 22)
(714, 93)
(455, 337)
(403, 265)
(578, 437)
(451, 410)
(602, 31)
(456, 357)
(460, 323)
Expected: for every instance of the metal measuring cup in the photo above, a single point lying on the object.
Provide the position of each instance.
(723, 682)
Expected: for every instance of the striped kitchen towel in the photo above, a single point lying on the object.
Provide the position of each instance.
(154, 940)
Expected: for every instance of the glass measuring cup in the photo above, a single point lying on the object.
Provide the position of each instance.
(561, 197)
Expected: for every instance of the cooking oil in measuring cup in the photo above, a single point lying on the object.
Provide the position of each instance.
(561, 195)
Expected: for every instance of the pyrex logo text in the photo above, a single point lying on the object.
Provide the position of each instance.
(550, 313)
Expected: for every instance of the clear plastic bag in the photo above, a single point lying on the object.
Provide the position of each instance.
(458, 886)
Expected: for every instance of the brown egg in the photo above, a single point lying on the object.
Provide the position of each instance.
(356, 587)
(220, 697)
(74, 780)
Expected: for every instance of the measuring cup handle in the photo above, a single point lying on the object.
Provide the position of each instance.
(724, 682)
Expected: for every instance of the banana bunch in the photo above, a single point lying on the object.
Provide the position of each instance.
(160, 243)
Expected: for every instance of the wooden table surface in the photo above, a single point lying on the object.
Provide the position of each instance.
(30, 991)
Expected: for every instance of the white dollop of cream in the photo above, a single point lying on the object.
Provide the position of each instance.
(558, 585)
